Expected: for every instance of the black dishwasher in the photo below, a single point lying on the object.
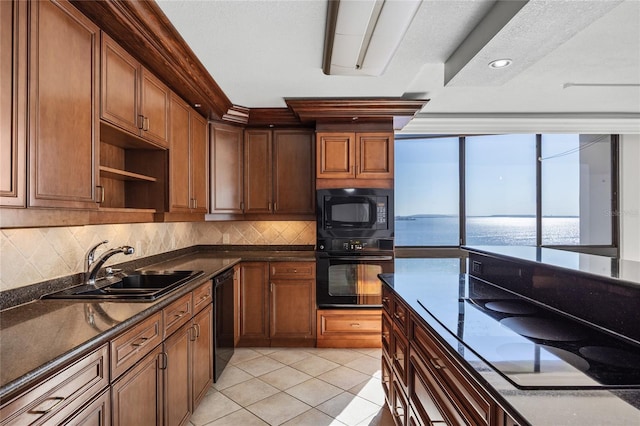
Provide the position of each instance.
(223, 321)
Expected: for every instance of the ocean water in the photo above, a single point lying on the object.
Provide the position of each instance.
(493, 230)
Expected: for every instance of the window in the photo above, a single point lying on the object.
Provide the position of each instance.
(576, 190)
(551, 190)
(501, 190)
(427, 200)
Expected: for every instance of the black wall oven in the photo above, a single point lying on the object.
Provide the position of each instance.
(351, 280)
(354, 245)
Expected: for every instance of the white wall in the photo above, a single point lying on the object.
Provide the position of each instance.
(629, 209)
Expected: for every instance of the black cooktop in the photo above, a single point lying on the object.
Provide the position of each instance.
(534, 347)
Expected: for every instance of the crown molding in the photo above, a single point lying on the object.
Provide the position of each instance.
(321, 109)
(142, 29)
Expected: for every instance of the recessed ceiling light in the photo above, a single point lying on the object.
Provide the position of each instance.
(500, 63)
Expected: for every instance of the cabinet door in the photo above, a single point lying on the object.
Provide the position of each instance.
(199, 162)
(63, 78)
(13, 102)
(335, 155)
(120, 87)
(374, 153)
(257, 171)
(202, 355)
(179, 156)
(136, 397)
(254, 302)
(226, 169)
(293, 308)
(177, 389)
(154, 106)
(294, 182)
(96, 413)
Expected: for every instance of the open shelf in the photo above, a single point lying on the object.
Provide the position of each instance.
(118, 174)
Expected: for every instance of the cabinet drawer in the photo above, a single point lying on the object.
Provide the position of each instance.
(400, 355)
(177, 314)
(461, 390)
(293, 270)
(202, 296)
(401, 316)
(427, 397)
(349, 328)
(133, 344)
(62, 394)
(387, 299)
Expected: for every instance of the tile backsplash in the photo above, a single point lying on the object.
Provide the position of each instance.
(32, 255)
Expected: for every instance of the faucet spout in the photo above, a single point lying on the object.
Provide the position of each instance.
(93, 267)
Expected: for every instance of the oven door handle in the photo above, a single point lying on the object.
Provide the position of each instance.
(361, 258)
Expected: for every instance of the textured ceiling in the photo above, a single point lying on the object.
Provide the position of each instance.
(261, 52)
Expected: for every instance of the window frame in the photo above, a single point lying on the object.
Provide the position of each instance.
(456, 251)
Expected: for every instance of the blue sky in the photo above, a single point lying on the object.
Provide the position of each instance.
(500, 176)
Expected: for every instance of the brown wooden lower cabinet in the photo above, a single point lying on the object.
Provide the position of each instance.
(202, 355)
(349, 328)
(96, 413)
(425, 384)
(165, 387)
(61, 395)
(176, 376)
(399, 405)
(153, 381)
(136, 397)
(277, 304)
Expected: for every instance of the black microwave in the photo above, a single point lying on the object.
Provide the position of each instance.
(355, 212)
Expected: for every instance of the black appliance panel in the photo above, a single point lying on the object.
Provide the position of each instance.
(355, 213)
(347, 280)
(223, 321)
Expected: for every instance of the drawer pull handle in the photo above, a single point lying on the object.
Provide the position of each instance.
(58, 400)
(397, 315)
(162, 365)
(436, 363)
(355, 324)
(140, 342)
(179, 314)
(205, 297)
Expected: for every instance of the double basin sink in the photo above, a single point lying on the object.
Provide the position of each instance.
(132, 286)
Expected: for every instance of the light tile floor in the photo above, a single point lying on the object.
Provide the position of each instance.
(297, 386)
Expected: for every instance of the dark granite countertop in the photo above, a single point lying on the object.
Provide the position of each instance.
(42, 336)
(441, 293)
(619, 270)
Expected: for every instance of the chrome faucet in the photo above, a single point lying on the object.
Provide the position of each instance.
(92, 265)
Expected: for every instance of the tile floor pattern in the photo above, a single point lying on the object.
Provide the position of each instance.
(297, 386)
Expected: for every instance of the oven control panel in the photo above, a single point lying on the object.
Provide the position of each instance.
(344, 245)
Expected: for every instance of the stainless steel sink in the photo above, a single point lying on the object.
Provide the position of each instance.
(138, 285)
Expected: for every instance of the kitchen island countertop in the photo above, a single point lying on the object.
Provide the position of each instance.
(435, 297)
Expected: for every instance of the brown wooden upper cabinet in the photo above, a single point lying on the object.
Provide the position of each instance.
(278, 172)
(188, 160)
(226, 169)
(13, 103)
(347, 155)
(63, 103)
(132, 98)
(261, 171)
